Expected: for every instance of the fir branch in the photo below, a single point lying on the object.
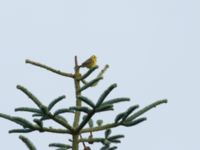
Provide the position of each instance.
(55, 101)
(98, 107)
(23, 122)
(84, 82)
(20, 131)
(87, 101)
(132, 117)
(100, 128)
(117, 100)
(31, 96)
(119, 117)
(82, 108)
(90, 71)
(103, 70)
(85, 121)
(114, 137)
(105, 94)
(18, 120)
(27, 109)
(49, 68)
(90, 84)
(62, 110)
(133, 122)
(39, 122)
(43, 129)
(38, 115)
(44, 108)
(28, 143)
(106, 107)
(29, 126)
(145, 109)
(91, 140)
(99, 75)
(129, 111)
(108, 133)
(60, 120)
(53, 130)
(60, 145)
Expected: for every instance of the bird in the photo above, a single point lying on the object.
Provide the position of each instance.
(90, 62)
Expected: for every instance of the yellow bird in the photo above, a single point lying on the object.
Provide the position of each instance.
(90, 62)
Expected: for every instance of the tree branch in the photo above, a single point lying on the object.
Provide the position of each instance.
(49, 68)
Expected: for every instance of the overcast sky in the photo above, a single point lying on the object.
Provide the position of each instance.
(152, 48)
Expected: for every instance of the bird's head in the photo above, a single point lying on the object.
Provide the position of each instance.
(94, 57)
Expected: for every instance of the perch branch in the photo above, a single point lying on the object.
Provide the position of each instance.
(49, 68)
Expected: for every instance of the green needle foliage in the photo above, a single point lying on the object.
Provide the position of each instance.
(40, 113)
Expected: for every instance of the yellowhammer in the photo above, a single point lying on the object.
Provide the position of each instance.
(90, 62)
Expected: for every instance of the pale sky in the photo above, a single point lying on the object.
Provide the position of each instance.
(152, 48)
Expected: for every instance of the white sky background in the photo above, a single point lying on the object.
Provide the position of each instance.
(152, 48)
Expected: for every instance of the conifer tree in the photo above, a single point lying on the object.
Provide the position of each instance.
(83, 105)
